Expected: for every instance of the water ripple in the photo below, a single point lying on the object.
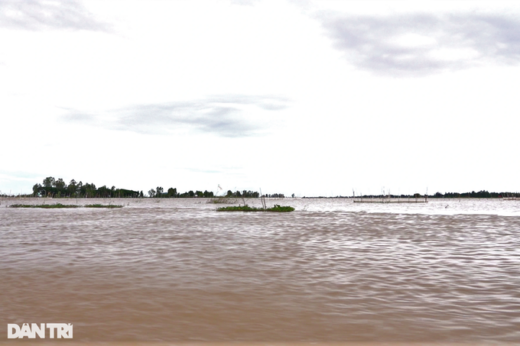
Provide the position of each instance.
(176, 270)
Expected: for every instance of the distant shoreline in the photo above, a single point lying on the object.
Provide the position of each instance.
(250, 198)
(58, 188)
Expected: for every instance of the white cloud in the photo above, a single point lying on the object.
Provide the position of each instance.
(228, 116)
(419, 44)
(45, 15)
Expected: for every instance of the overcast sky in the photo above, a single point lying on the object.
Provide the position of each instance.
(305, 97)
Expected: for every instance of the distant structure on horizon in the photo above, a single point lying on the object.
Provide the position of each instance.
(391, 199)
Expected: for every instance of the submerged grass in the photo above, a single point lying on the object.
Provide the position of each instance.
(277, 208)
(59, 205)
(46, 206)
(103, 206)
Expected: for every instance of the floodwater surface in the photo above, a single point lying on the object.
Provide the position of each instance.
(177, 270)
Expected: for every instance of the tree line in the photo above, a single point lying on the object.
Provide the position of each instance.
(51, 187)
(472, 194)
(159, 192)
(57, 188)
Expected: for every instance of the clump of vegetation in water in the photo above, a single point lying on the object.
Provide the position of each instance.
(46, 206)
(277, 208)
(58, 205)
(103, 206)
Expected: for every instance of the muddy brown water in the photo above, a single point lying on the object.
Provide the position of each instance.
(178, 271)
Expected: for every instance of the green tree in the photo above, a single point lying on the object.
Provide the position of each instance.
(159, 191)
(103, 191)
(72, 188)
(172, 192)
(36, 189)
(89, 190)
(151, 193)
(80, 189)
(48, 182)
(60, 184)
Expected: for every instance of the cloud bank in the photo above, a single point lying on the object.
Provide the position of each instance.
(224, 116)
(46, 14)
(419, 44)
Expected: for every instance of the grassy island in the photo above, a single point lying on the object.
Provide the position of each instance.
(277, 209)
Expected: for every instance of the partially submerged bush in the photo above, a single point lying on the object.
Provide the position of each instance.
(281, 209)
